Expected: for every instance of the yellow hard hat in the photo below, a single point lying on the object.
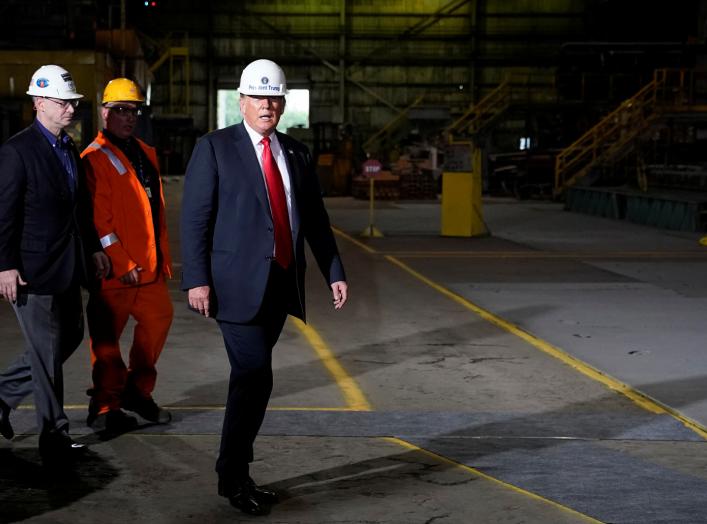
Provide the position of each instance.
(122, 90)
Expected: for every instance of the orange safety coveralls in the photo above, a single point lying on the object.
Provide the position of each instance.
(123, 220)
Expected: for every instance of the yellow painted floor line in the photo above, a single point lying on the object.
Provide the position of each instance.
(354, 397)
(216, 408)
(545, 254)
(354, 241)
(522, 254)
(485, 476)
(643, 400)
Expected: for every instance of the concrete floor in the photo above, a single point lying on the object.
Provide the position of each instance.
(467, 381)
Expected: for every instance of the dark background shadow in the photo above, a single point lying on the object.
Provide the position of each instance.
(28, 489)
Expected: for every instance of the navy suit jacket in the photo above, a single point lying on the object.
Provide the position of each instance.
(41, 223)
(227, 234)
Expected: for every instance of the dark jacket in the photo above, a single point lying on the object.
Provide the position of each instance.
(227, 233)
(41, 223)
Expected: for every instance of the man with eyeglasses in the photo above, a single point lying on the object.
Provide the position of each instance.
(126, 191)
(45, 228)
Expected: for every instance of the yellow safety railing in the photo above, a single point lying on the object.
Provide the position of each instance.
(478, 116)
(515, 88)
(387, 129)
(614, 136)
(176, 54)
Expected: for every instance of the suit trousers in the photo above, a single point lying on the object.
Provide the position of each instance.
(249, 348)
(107, 313)
(52, 326)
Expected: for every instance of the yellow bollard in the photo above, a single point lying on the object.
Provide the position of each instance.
(461, 195)
(371, 230)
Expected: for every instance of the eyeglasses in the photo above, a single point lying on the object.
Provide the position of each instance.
(63, 103)
(125, 110)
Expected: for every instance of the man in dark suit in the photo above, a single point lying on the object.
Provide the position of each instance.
(251, 198)
(44, 214)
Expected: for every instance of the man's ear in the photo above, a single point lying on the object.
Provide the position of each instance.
(104, 114)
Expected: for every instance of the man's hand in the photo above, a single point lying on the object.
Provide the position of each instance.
(102, 264)
(8, 284)
(132, 277)
(199, 299)
(340, 294)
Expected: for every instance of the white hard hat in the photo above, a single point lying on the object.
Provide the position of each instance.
(53, 81)
(263, 78)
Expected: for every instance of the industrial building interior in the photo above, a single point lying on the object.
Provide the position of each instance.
(524, 339)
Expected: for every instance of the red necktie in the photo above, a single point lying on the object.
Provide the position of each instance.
(278, 207)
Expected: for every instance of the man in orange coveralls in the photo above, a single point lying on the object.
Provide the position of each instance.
(123, 178)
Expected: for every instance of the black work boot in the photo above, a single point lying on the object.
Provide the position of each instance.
(147, 408)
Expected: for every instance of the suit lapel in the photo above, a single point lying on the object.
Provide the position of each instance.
(292, 165)
(57, 175)
(251, 166)
(294, 169)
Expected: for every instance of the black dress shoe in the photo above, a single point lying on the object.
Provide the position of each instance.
(261, 494)
(147, 408)
(5, 426)
(245, 500)
(56, 447)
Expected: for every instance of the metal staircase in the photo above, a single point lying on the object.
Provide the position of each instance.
(616, 135)
(481, 115)
(387, 130)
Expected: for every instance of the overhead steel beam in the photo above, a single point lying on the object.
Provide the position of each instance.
(325, 62)
(414, 29)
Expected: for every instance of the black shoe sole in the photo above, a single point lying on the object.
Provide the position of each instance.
(249, 508)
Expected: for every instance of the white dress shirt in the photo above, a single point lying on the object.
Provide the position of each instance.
(279, 157)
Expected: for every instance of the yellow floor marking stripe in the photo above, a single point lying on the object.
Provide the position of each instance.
(485, 476)
(523, 254)
(354, 241)
(639, 398)
(216, 408)
(354, 397)
(545, 254)
(288, 408)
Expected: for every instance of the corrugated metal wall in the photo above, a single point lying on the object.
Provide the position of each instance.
(453, 51)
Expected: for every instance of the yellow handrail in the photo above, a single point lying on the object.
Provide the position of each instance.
(387, 129)
(481, 113)
(612, 136)
(176, 53)
(609, 136)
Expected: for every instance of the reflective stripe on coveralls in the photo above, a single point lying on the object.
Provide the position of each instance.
(109, 239)
(117, 164)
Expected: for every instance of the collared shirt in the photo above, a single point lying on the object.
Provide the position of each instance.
(62, 149)
(279, 157)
